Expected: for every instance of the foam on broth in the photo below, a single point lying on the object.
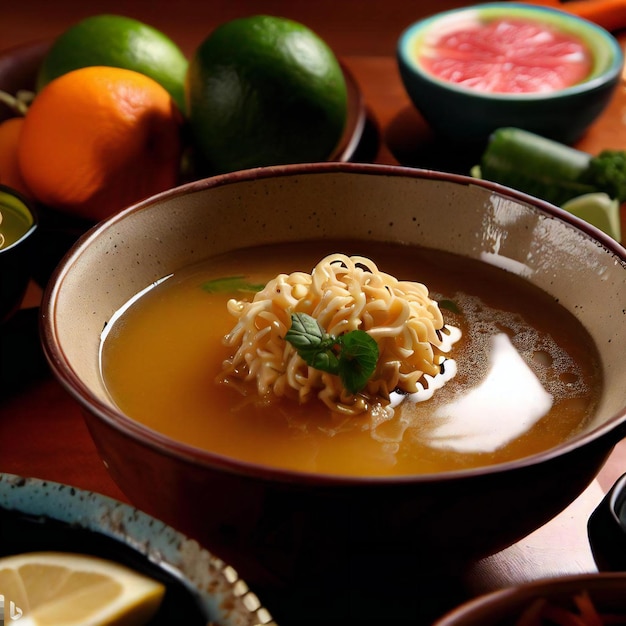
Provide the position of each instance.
(528, 374)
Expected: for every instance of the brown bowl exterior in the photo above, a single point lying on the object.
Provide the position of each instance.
(287, 535)
(280, 529)
(18, 70)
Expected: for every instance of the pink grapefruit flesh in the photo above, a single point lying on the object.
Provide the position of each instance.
(507, 55)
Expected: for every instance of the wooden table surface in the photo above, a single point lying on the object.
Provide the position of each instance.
(41, 429)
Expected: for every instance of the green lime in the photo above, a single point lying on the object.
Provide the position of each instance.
(264, 90)
(117, 41)
(598, 209)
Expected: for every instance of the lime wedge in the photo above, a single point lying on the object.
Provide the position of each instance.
(600, 210)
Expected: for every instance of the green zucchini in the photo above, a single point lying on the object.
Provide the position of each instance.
(535, 165)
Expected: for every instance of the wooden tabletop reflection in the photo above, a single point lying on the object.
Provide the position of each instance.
(42, 433)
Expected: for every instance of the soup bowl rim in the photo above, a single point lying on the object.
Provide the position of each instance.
(167, 446)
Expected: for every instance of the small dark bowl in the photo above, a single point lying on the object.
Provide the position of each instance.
(505, 606)
(37, 515)
(469, 115)
(17, 258)
(607, 529)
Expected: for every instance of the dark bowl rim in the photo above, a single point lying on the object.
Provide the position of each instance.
(605, 78)
(527, 591)
(154, 440)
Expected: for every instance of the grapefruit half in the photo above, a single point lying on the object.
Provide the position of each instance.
(506, 55)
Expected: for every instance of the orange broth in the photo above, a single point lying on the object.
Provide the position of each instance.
(162, 355)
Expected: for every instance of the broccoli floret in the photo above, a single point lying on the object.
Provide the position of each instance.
(550, 170)
(607, 172)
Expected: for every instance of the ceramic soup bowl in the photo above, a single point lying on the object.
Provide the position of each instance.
(280, 527)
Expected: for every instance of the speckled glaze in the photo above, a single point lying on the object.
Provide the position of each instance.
(280, 529)
(467, 115)
(224, 597)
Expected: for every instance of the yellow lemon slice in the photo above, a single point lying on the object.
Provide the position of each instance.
(52, 588)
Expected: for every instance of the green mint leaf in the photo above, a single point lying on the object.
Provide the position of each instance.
(305, 333)
(352, 356)
(312, 343)
(357, 359)
(325, 361)
(231, 284)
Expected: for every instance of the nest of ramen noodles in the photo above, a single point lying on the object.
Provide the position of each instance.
(343, 294)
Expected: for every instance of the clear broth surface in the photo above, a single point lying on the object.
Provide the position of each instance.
(162, 356)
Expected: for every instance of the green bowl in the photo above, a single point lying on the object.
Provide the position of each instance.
(467, 114)
(18, 229)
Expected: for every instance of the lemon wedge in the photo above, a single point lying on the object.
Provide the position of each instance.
(52, 588)
(598, 209)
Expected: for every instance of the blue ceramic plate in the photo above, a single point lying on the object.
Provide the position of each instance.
(38, 515)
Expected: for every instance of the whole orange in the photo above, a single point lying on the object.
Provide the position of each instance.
(98, 139)
(10, 174)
